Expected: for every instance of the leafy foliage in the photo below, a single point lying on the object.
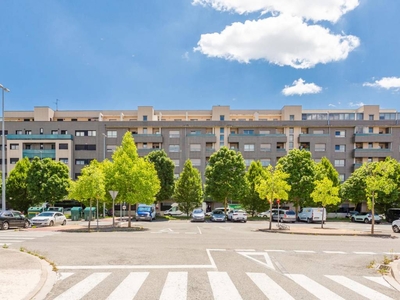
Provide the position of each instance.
(165, 172)
(225, 176)
(188, 189)
(16, 186)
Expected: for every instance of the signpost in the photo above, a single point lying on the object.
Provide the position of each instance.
(113, 196)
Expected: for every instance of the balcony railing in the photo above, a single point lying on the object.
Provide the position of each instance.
(39, 153)
(40, 137)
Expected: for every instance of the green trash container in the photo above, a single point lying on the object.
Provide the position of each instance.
(86, 213)
(76, 213)
(34, 210)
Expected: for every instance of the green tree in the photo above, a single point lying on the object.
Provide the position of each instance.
(16, 186)
(47, 180)
(225, 176)
(188, 188)
(90, 186)
(353, 189)
(133, 177)
(273, 185)
(326, 193)
(325, 169)
(252, 201)
(300, 167)
(165, 172)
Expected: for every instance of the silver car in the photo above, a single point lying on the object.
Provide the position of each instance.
(49, 218)
(198, 215)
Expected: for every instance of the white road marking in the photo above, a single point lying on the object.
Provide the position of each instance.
(64, 275)
(358, 288)
(380, 281)
(12, 237)
(129, 287)
(365, 253)
(313, 287)
(268, 262)
(269, 287)
(199, 229)
(79, 290)
(135, 267)
(304, 251)
(175, 286)
(210, 257)
(334, 252)
(222, 286)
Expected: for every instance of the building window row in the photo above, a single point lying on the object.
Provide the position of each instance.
(85, 133)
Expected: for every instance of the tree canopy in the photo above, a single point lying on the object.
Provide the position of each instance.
(16, 186)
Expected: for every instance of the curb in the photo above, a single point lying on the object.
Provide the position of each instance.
(379, 235)
(394, 279)
(47, 280)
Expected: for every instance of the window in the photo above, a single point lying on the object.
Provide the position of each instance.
(64, 131)
(111, 148)
(340, 133)
(64, 160)
(18, 131)
(41, 146)
(28, 132)
(341, 177)
(74, 120)
(196, 162)
(111, 133)
(14, 146)
(222, 130)
(248, 162)
(77, 175)
(371, 117)
(195, 147)
(79, 133)
(174, 134)
(265, 132)
(173, 148)
(85, 147)
(265, 162)
(339, 163)
(63, 146)
(370, 129)
(291, 130)
(54, 132)
(291, 117)
(265, 147)
(91, 132)
(176, 176)
(248, 131)
(248, 147)
(222, 118)
(370, 145)
(318, 132)
(144, 130)
(41, 131)
(85, 133)
(27, 147)
(320, 147)
(144, 146)
(13, 161)
(83, 161)
(144, 118)
(340, 148)
(176, 162)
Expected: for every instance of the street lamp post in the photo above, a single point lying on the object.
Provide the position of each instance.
(104, 157)
(3, 154)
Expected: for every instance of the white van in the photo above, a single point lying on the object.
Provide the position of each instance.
(146, 212)
(173, 211)
(311, 214)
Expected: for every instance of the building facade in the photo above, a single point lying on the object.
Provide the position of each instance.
(347, 138)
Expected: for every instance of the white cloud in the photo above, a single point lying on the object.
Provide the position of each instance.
(316, 10)
(332, 105)
(359, 104)
(282, 40)
(185, 56)
(386, 83)
(299, 87)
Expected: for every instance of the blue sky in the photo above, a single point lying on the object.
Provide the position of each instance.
(193, 54)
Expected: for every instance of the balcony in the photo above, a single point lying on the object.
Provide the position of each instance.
(238, 138)
(372, 152)
(307, 138)
(39, 153)
(145, 151)
(372, 137)
(147, 138)
(40, 137)
(203, 137)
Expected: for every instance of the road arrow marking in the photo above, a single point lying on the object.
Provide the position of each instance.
(268, 262)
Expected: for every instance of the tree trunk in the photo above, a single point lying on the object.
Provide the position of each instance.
(270, 214)
(322, 221)
(90, 213)
(129, 215)
(373, 212)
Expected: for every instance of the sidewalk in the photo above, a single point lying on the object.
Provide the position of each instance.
(25, 276)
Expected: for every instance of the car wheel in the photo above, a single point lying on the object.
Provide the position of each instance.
(353, 220)
(245, 221)
(26, 224)
(298, 219)
(5, 226)
(293, 221)
(396, 229)
(308, 220)
(366, 221)
(64, 223)
(51, 223)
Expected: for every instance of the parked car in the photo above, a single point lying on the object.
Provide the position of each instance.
(217, 216)
(49, 218)
(392, 214)
(351, 213)
(266, 214)
(173, 211)
(396, 226)
(13, 218)
(146, 212)
(284, 216)
(198, 215)
(365, 217)
(237, 215)
(312, 214)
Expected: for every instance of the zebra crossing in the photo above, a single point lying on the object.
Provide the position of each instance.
(10, 237)
(219, 285)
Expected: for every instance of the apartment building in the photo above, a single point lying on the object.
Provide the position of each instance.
(347, 137)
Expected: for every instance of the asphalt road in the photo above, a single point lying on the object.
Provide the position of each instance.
(184, 260)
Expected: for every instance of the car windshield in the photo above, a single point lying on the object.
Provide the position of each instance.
(290, 212)
(46, 214)
(197, 211)
(144, 208)
(217, 212)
